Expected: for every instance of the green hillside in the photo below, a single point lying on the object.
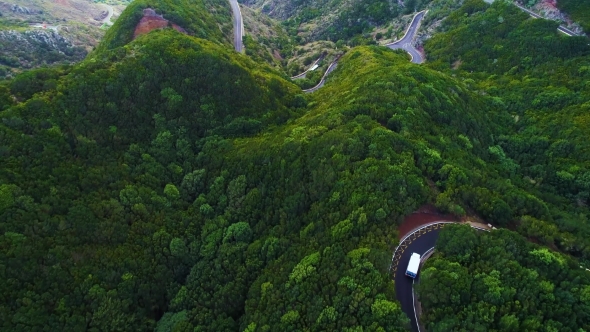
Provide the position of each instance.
(169, 183)
(208, 19)
(578, 10)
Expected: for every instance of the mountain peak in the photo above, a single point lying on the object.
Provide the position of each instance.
(151, 21)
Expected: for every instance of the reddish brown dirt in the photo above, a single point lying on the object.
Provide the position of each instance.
(151, 21)
(551, 3)
(426, 214)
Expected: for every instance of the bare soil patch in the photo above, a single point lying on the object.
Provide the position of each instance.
(151, 21)
(426, 214)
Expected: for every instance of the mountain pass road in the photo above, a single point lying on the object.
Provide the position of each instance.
(561, 28)
(107, 20)
(406, 42)
(419, 242)
(238, 25)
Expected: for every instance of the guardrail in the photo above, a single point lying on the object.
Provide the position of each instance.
(313, 64)
(322, 81)
(422, 260)
(535, 15)
(413, 233)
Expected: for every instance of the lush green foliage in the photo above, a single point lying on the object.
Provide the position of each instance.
(478, 281)
(539, 77)
(170, 183)
(207, 19)
(361, 17)
(578, 10)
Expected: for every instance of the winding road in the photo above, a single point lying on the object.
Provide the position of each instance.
(419, 241)
(238, 25)
(302, 75)
(331, 67)
(405, 43)
(407, 40)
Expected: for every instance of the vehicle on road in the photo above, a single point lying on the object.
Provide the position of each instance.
(413, 265)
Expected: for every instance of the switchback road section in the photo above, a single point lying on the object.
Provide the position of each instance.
(331, 67)
(302, 75)
(419, 241)
(406, 43)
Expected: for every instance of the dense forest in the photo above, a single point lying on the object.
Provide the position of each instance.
(498, 281)
(168, 183)
(539, 78)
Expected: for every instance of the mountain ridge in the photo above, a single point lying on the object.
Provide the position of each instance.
(170, 183)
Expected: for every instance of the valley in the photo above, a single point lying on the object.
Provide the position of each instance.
(205, 167)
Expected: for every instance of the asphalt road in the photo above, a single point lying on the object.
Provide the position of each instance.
(406, 42)
(238, 25)
(535, 15)
(331, 67)
(420, 242)
(302, 75)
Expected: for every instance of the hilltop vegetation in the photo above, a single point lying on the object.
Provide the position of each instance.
(209, 19)
(331, 20)
(169, 183)
(498, 281)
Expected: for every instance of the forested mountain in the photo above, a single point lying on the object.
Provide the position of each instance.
(169, 183)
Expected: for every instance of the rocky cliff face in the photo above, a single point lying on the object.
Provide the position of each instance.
(16, 9)
(28, 49)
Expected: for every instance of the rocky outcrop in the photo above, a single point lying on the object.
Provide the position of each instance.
(103, 14)
(45, 38)
(29, 49)
(17, 9)
(548, 9)
(151, 21)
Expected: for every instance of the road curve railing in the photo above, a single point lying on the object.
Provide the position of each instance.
(410, 237)
(422, 260)
(302, 75)
(561, 28)
(331, 67)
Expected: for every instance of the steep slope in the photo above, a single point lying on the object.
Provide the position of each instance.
(539, 76)
(207, 86)
(169, 183)
(328, 19)
(479, 281)
(35, 33)
(210, 19)
(344, 175)
(164, 87)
